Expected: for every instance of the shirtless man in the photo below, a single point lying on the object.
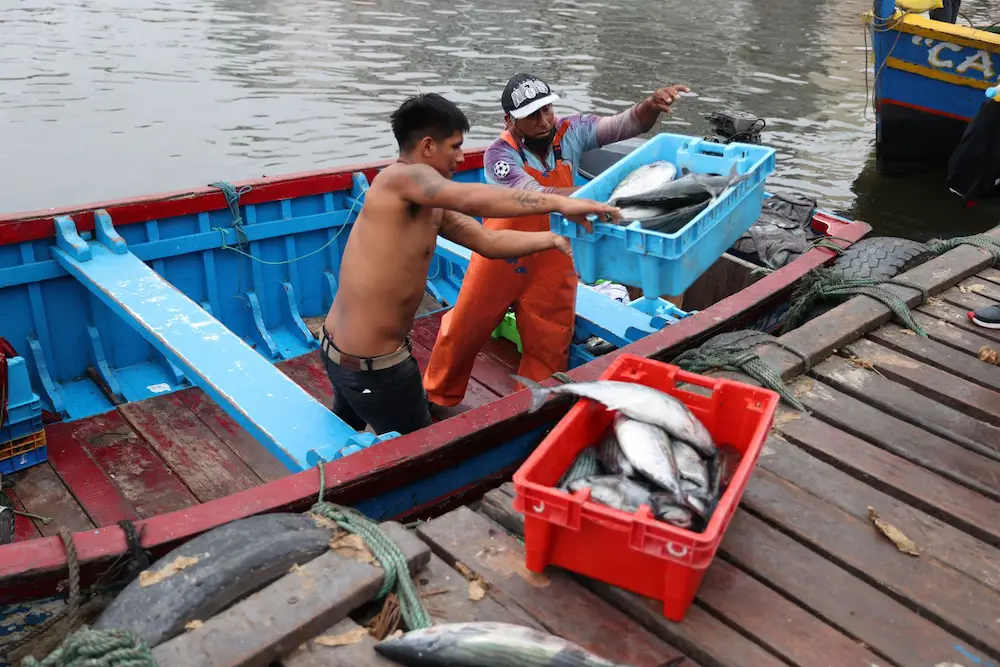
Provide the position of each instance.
(365, 346)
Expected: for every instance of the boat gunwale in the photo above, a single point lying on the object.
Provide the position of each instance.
(376, 469)
(22, 226)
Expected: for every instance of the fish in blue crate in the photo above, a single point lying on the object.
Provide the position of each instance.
(651, 196)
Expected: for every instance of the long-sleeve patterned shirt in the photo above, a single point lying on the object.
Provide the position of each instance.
(503, 164)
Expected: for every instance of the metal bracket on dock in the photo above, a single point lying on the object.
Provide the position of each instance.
(277, 412)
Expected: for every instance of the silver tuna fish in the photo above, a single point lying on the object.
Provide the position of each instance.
(647, 177)
(614, 491)
(486, 645)
(584, 465)
(628, 495)
(690, 464)
(610, 454)
(647, 448)
(688, 190)
(637, 401)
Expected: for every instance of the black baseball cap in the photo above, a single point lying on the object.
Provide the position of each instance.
(525, 94)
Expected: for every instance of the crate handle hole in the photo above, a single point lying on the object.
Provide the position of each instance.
(538, 507)
(677, 551)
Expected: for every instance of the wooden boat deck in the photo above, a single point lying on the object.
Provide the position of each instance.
(181, 449)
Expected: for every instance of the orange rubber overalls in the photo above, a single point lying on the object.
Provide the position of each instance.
(541, 286)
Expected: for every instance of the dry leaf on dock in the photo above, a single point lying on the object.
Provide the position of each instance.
(989, 355)
(193, 625)
(477, 585)
(895, 535)
(353, 547)
(908, 332)
(975, 289)
(147, 578)
(350, 637)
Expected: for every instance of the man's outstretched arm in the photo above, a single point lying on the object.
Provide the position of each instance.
(498, 244)
(424, 186)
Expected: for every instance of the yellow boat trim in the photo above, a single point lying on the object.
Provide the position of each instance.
(916, 24)
(948, 77)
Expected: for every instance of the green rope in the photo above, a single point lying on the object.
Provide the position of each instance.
(738, 359)
(988, 243)
(823, 283)
(397, 572)
(98, 648)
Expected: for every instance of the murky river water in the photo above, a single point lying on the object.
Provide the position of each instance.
(112, 98)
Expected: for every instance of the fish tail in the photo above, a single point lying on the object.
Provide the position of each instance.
(735, 177)
(539, 394)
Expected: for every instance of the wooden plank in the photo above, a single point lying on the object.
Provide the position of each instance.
(100, 498)
(359, 654)
(968, 301)
(700, 635)
(921, 488)
(203, 462)
(993, 275)
(276, 620)
(959, 317)
(958, 355)
(262, 462)
(791, 632)
(477, 393)
(868, 385)
(936, 538)
(818, 337)
(44, 494)
(139, 474)
(308, 372)
(487, 370)
(446, 597)
(503, 351)
(947, 597)
(908, 442)
(976, 401)
(888, 628)
(985, 288)
(554, 600)
(24, 528)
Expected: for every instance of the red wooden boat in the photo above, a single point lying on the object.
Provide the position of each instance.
(178, 464)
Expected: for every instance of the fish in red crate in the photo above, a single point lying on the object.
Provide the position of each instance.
(657, 453)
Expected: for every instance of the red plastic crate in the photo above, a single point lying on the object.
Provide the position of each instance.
(635, 551)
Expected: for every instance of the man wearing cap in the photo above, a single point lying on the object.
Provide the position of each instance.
(541, 152)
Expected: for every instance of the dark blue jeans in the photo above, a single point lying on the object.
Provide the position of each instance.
(390, 399)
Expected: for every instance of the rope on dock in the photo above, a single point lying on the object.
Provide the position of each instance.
(85, 648)
(822, 283)
(734, 352)
(397, 573)
(989, 243)
(98, 648)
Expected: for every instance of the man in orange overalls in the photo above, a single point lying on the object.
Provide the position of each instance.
(536, 152)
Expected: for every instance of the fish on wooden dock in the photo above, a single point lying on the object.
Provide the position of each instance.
(486, 644)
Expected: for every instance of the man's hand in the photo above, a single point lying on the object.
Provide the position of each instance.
(662, 100)
(577, 210)
(561, 243)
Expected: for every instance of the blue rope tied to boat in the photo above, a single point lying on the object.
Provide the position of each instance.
(233, 201)
(397, 571)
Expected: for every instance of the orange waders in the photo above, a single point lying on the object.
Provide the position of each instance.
(541, 286)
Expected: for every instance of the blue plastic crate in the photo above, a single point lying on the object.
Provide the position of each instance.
(667, 264)
(14, 429)
(23, 453)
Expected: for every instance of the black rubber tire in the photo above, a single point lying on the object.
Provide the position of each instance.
(881, 258)
(7, 524)
(875, 258)
(235, 560)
